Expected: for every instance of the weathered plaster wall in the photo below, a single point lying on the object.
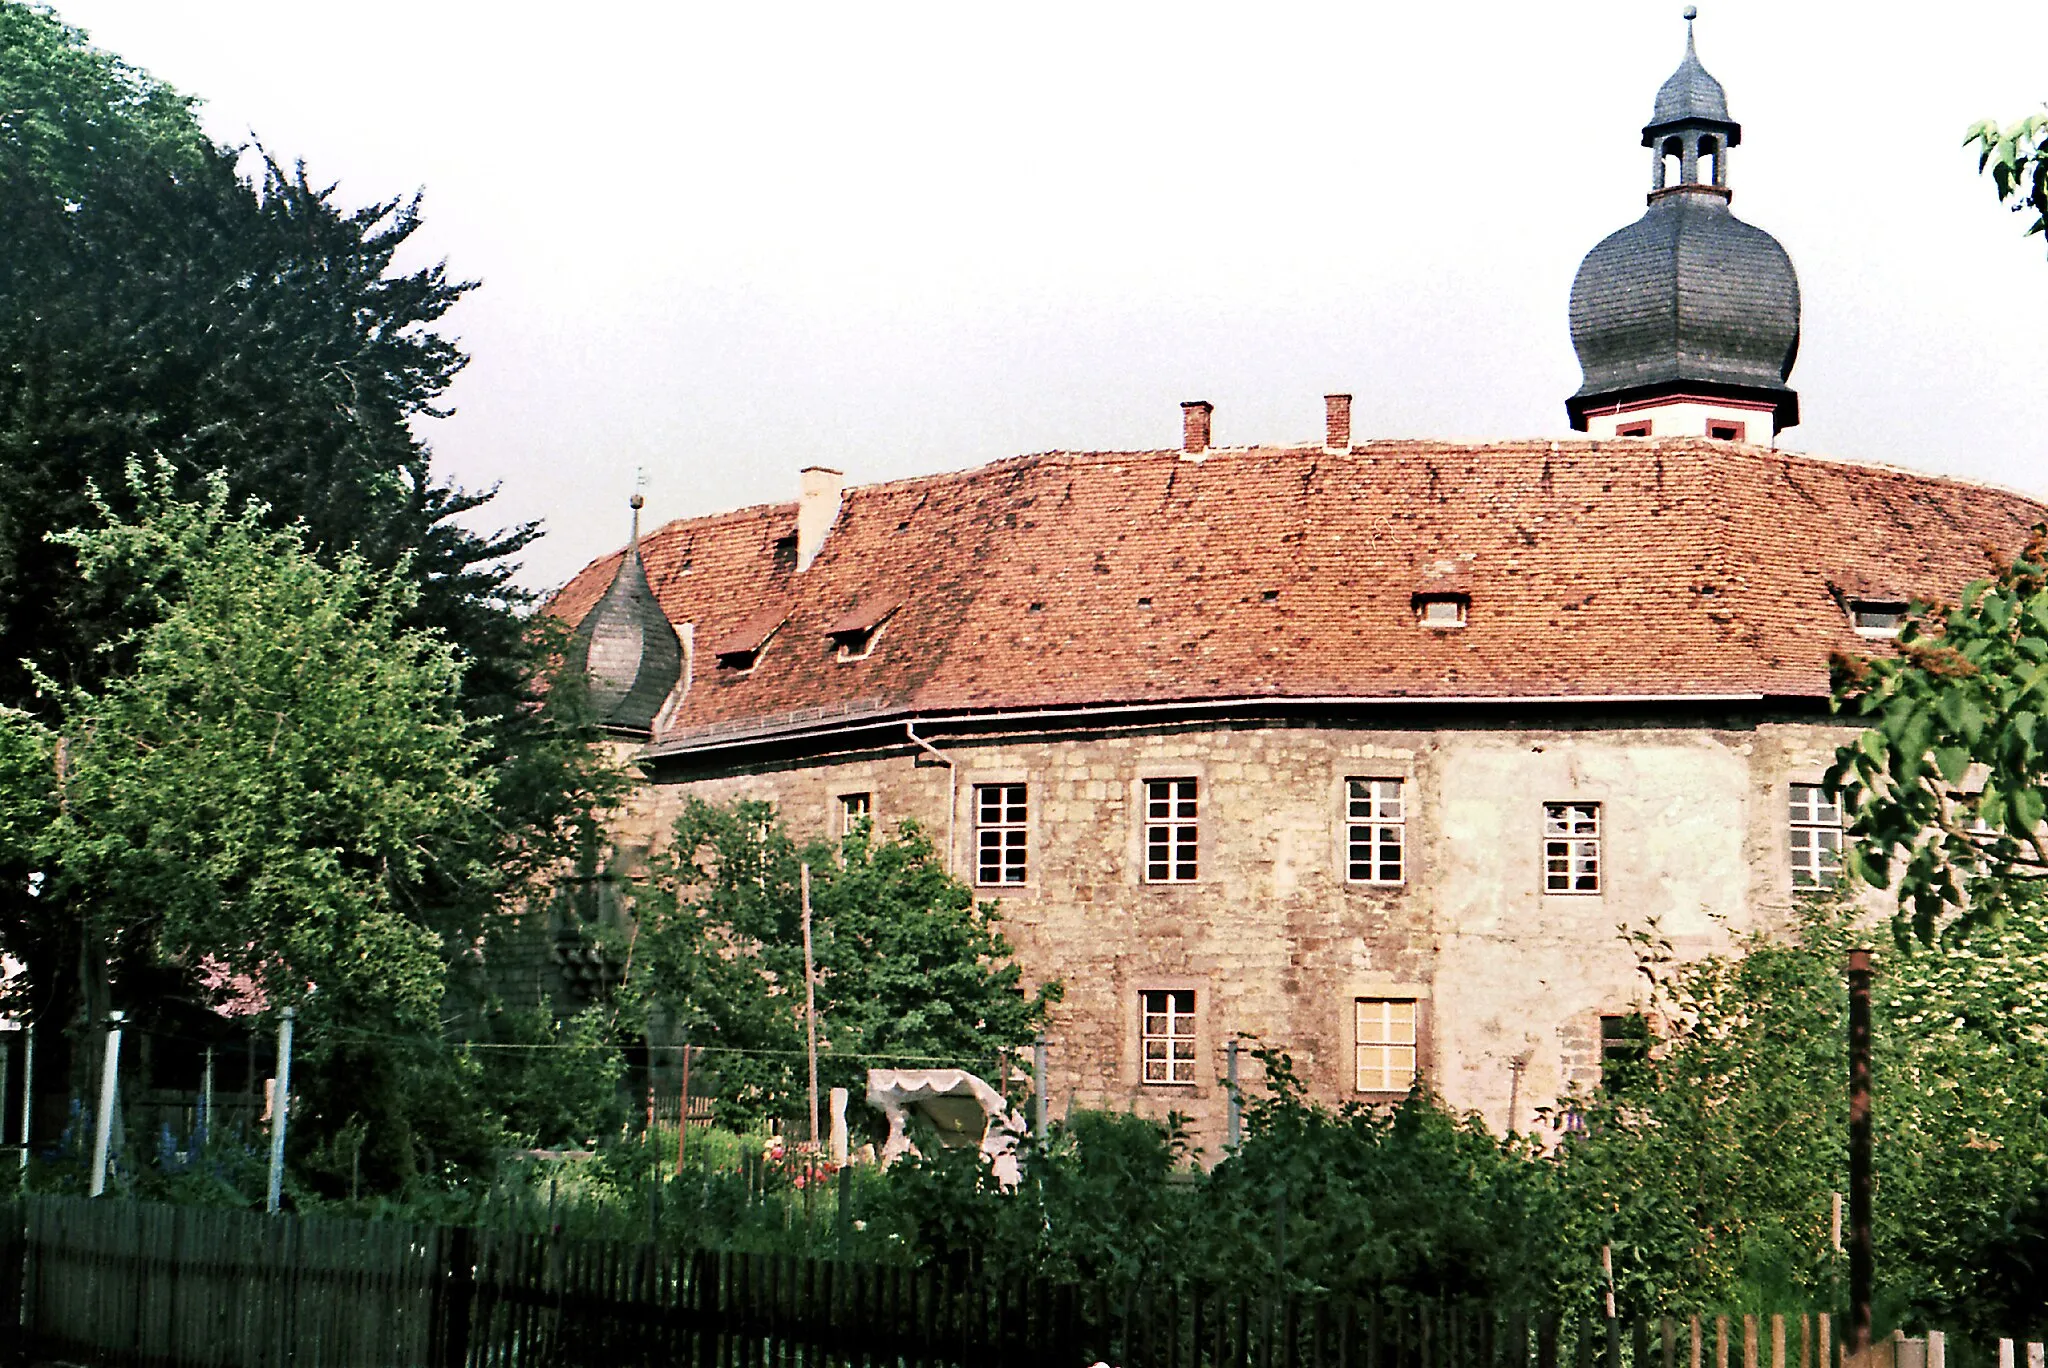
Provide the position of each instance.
(1274, 941)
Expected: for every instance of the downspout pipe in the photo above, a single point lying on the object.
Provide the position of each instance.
(952, 781)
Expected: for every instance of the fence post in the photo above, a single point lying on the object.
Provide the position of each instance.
(28, 1095)
(280, 1105)
(103, 1124)
(683, 1114)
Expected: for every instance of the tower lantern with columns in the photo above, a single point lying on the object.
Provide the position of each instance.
(1686, 322)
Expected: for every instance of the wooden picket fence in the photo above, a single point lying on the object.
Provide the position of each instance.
(127, 1283)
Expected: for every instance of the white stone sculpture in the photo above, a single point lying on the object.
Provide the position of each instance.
(963, 1109)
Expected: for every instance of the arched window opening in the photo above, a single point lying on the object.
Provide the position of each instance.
(1674, 154)
(1710, 162)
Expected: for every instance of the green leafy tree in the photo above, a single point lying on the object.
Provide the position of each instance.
(1947, 788)
(159, 304)
(552, 1081)
(910, 969)
(1711, 1174)
(1408, 1203)
(2016, 157)
(254, 803)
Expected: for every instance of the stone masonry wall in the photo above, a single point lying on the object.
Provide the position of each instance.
(1272, 939)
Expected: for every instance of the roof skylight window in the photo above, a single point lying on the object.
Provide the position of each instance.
(1442, 612)
(1877, 617)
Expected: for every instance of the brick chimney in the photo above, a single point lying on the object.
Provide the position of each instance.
(816, 510)
(1194, 426)
(1337, 421)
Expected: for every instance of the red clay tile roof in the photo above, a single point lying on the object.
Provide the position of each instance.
(750, 633)
(870, 613)
(1632, 567)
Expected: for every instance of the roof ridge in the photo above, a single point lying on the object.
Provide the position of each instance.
(1365, 447)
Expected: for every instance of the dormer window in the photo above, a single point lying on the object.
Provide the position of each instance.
(858, 645)
(1442, 612)
(739, 650)
(857, 632)
(1877, 617)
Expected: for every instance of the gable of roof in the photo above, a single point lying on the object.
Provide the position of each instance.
(1593, 569)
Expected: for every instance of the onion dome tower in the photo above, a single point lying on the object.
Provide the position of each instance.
(628, 648)
(1686, 322)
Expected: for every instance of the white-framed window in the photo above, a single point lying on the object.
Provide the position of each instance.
(1877, 617)
(854, 808)
(1001, 838)
(1172, 830)
(1384, 1039)
(1816, 837)
(1375, 843)
(1166, 1035)
(1571, 847)
(1442, 612)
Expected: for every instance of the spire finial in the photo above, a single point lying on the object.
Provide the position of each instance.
(638, 501)
(1691, 13)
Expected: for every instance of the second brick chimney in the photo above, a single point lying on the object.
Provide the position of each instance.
(1337, 421)
(1194, 426)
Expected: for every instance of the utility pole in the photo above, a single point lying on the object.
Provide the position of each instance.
(103, 1124)
(1038, 1072)
(1860, 1271)
(683, 1119)
(1233, 1125)
(280, 1103)
(810, 1006)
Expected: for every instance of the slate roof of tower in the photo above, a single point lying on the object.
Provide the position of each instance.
(1689, 95)
(1688, 298)
(1688, 293)
(632, 656)
(1595, 570)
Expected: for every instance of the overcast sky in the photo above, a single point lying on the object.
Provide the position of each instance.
(722, 242)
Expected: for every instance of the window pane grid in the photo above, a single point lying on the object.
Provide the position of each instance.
(1376, 831)
(1816, 837)
(1385, 1044)
(853, 810)
(1571, 847)
(1172, 831)
(1167, 1036)
(1001, 839)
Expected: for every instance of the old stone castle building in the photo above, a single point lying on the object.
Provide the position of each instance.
(1361, 748)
